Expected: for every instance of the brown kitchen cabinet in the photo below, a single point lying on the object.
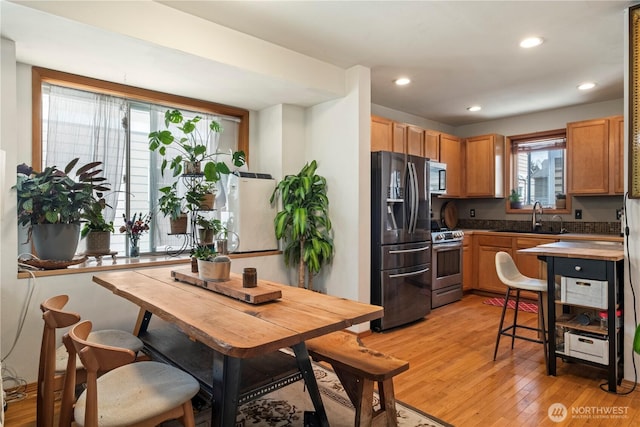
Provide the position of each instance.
(432, 144)
(594, 156)
(467, 262)
(530, 265)
(452, 153)
(399, 138)
(484, 166)
(487, 247)
(381, 134)
(415, 141)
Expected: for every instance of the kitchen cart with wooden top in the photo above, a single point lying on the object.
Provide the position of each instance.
(591, 284)
(235, 331)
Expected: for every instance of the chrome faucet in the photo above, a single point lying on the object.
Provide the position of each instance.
(562, 230)
(536, 221)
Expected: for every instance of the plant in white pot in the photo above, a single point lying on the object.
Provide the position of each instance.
(51, 204)
(211, 266)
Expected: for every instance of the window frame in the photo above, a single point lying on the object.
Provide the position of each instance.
(44, 75)
(510, 167)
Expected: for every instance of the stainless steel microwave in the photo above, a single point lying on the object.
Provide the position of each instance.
(437, 178)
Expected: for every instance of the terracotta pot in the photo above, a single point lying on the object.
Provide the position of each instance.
(208, 201)
(179, 225)
(191, 168)
(205, 236)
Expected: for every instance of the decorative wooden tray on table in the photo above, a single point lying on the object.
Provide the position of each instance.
(233, 288)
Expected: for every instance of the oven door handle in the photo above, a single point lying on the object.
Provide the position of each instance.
(407, 251)
(444, 246)
(413, 273)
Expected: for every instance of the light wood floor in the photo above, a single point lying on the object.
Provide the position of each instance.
(453, 377)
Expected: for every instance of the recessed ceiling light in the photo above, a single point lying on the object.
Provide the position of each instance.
(531, 42)
(474, 108)
(402, 81)
(586, 86)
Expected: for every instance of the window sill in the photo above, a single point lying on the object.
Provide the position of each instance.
(529, 211)
(124, 263)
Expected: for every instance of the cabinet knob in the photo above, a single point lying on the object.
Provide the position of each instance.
(578, 268)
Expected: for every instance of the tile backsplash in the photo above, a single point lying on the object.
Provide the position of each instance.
(612, 228)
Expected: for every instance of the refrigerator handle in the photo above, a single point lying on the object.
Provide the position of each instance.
(406, 251)
(413, 273)
(413, 184)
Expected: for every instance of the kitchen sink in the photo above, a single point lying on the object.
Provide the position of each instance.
(530, 231)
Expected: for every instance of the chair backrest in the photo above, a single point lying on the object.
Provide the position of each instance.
(54, 318)
(96, 358)
(507, 270)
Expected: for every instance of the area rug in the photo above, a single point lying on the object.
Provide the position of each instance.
(287, 406)
(523, 306)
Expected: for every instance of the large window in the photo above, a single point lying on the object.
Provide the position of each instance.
(100, 121)
(538, 163)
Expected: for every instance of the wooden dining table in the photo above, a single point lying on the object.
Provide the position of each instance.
(235, 330)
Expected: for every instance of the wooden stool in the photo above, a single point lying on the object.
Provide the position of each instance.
(358, 367)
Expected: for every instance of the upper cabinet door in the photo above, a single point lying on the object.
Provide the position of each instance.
(381, 134)
(451, 153)
(588, 156)
(399, 137)
(432, 145)
(415, 141)
(484, 166)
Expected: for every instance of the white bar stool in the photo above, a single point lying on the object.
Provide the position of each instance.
(515, 282)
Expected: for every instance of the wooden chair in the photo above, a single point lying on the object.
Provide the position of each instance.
(358, 369)
(126, 394)
(53, 362)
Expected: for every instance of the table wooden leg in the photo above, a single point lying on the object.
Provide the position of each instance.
(304, 364)
(227, 373)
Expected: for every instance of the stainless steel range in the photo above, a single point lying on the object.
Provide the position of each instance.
(446, 262)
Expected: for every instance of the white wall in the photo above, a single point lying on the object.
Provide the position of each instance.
(338, 137)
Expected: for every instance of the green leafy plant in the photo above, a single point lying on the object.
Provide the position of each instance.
(204, 253)
(95, 219)
(303, 223)
(169, 203)
(514, 196)
(191, 146)
(209, 224)
(196, 192)
(53, 196)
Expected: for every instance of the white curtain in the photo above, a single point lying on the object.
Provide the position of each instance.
(89, 126)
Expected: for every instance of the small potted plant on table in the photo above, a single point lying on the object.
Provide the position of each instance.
(561, 201)
(211, 266)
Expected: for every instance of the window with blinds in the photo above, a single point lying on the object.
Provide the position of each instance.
(538, 166)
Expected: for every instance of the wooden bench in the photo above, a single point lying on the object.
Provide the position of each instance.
(358, 367)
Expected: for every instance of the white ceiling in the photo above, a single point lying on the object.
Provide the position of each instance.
(457, 53)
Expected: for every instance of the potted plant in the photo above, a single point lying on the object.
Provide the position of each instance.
(192, 148)
(514, 199)
(200, 195)
(561, 201)
(211, 266)
(96, 229)
(303, 223)
(208, 229)
(51, 204)
(171, 206)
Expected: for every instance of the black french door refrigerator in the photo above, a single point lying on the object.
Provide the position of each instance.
(400, 238)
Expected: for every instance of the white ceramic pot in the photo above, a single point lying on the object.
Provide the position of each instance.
(214, 271)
